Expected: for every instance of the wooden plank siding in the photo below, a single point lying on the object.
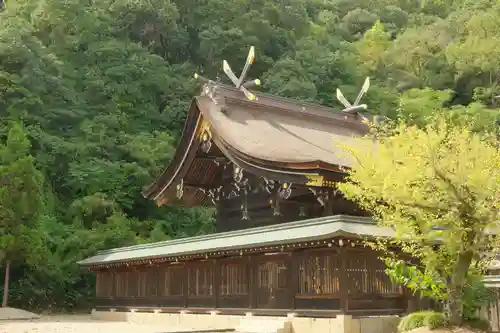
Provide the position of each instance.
(346, 280)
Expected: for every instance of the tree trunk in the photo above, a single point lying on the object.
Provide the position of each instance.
(6, 284)
(455, 306)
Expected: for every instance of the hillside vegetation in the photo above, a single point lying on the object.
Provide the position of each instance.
(101, 89)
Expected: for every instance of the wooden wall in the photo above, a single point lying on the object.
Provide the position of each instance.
(332, 279)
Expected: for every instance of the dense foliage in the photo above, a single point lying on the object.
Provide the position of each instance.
(102, 89)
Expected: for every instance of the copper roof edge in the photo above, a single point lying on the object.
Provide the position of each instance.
(293, 167)
(246, 232)
(157, 187)
(244, 162)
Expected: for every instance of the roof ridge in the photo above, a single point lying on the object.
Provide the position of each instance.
(250, 231)
(259, 93)
(307, 108)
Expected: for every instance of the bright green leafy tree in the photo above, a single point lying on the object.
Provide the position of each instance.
(438, 187)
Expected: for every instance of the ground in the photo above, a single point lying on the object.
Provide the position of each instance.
(76, 324)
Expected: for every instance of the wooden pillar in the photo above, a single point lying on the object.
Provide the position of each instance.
(328, 207)
(344, 280)
(185, 285)
(293, 277)
(219, 227)
(157, 276)
(130, 278)
(252, 279)
(133, 280)
(115, 285)
(410, 301)
(216, 282)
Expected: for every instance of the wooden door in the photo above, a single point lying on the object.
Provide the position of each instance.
(272, 284)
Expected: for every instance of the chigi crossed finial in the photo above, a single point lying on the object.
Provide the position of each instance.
(240, 83)
(243, 86)
(355, 107)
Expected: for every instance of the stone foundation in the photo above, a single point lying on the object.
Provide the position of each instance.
(185, 321)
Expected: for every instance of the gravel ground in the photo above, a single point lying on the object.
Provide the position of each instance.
(76, 324)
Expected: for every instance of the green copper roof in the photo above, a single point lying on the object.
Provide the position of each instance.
(286, 233)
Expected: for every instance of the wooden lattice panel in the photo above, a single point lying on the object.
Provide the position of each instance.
(104, 284)
(233, 279)
(171, 281)
(200, 280)
(319, 274)
(366, 275)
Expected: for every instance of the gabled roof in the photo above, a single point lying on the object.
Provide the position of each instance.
(273, 130)
(281, 234)
(272, 137)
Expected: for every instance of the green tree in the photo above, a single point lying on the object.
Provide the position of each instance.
(475, 54)
(20, 203)
(439, 184)
(372, 47)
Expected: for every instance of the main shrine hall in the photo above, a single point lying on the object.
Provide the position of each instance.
(286, 240)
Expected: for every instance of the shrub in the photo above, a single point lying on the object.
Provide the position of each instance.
(418, 319)
(435, 320)
(411, 321)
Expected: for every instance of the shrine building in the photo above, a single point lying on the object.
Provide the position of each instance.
(287, 243)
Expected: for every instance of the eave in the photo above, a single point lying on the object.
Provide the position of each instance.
(184, 153)
(305, 232)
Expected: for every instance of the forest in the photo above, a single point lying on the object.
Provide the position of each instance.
(97, 92)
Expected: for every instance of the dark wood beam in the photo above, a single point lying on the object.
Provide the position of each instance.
(221, 159)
